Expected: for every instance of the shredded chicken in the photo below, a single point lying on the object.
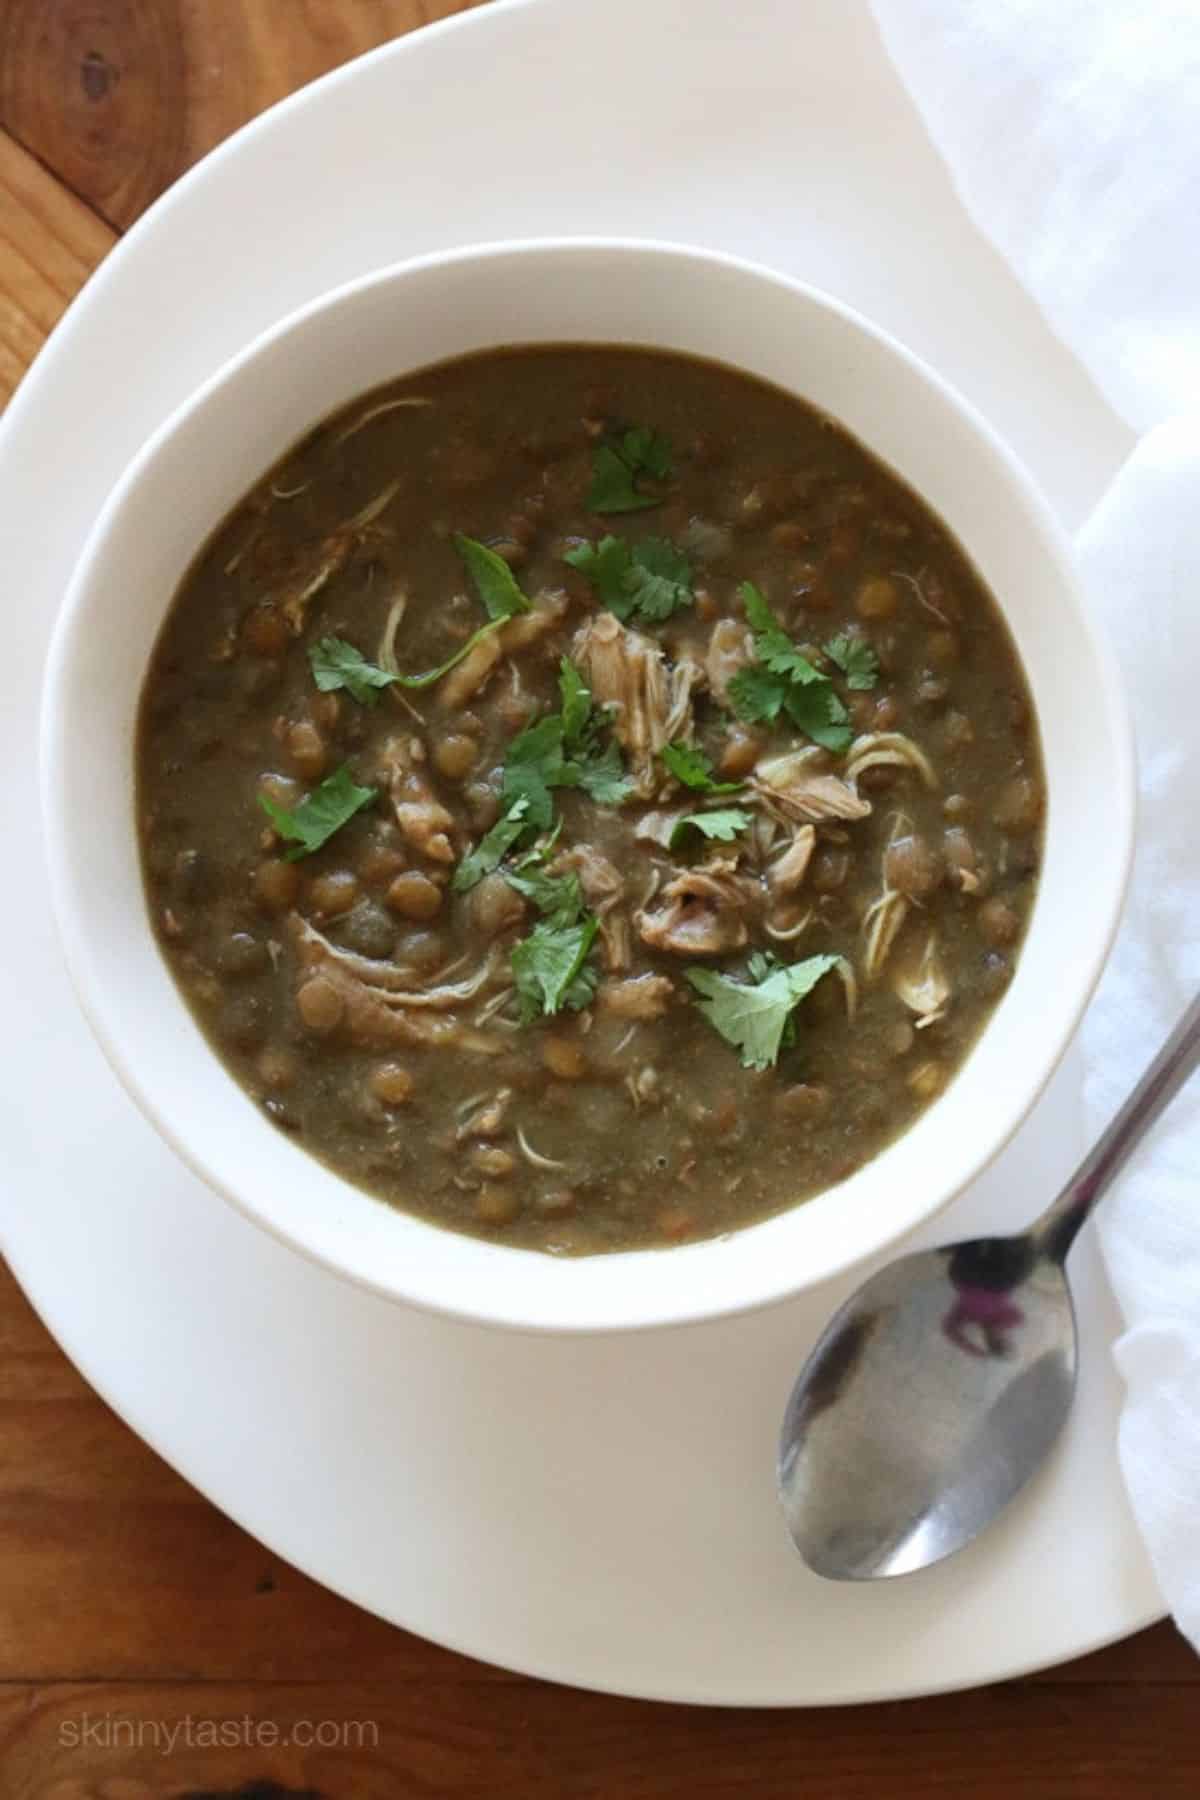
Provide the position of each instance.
(658, 827)
(888, 749)
(641, 997)
(616, 946)
(378, 1009)
(924, 989)
(652, 703)
(602, 884)
(424, 821)
(702, 913)
(788, 871)
(799, 786)
(730, 649)
(469, 676)
(486, 1121)
(881, 927)
(334, 551)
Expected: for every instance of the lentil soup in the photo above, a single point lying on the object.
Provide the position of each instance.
(587, 799)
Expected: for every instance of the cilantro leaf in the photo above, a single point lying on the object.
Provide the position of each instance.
(337, 664)
(856, 659)
(723, 824)
(534, 764)
(617, 465)
(601, 775)
(582, 990)
(652, 577)
(660, 580)
(559, 898)
(752, 1016)
(562, 750)
(820, 713)
(694, 769)
(783, 679)
(606, 565)
(772, 644)
(643, 448)
(547, 964)
(576, 701)
(429, 676)
(493, 846)
(757, 696)
(494, 581)
(320, 813)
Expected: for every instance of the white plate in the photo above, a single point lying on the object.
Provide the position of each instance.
(597, 1511)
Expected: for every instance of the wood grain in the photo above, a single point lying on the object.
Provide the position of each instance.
(148, 1647)
(49, 245)
(119, 97)
(527, 1741)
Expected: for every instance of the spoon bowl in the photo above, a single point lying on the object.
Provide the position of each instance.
(937, 1390)
(930, 1399)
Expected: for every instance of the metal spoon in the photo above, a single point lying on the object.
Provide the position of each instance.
(937, 1390)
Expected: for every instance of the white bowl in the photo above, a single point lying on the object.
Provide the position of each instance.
(201, 462)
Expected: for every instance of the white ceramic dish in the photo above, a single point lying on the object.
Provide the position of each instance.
(514, 1497)
(199, 465)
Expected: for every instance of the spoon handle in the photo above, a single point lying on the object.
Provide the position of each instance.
(1054, 1232)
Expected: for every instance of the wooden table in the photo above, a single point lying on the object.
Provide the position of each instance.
(147, 1646)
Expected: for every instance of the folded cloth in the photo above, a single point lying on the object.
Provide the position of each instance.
(1070, 133)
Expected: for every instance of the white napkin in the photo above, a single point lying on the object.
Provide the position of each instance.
(1070, 129)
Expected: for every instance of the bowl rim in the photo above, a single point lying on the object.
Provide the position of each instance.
(54, 755)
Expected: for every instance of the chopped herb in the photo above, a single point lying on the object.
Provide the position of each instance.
(617, 465)
(757, 695)
(602, 775)
(337, 664)
(563, 750)
(753, 1016)
(535, 763)
(548, 968)
(723, 824)
(494, 580)
(694, 769)
(856, 659)
(651, 578)
(772, 644)
(784, 680)
(320, 813)
(576, 701)
(493, 847)
(429, 676)
(559, 898)
(502, 600)
(819, 713)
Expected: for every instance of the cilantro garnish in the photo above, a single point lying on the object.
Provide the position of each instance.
(563, 750)
(754, 1015)
(548, 968)
(502, 600)
(723, 824)
(337, 664)
(559, 898)
(784, 680)
(535, 763)
(694, 769)
(651, 578)
(320, 813)
(493, 847)
(576, 701)
(616, 466)
(494, 581)
(856, 659)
